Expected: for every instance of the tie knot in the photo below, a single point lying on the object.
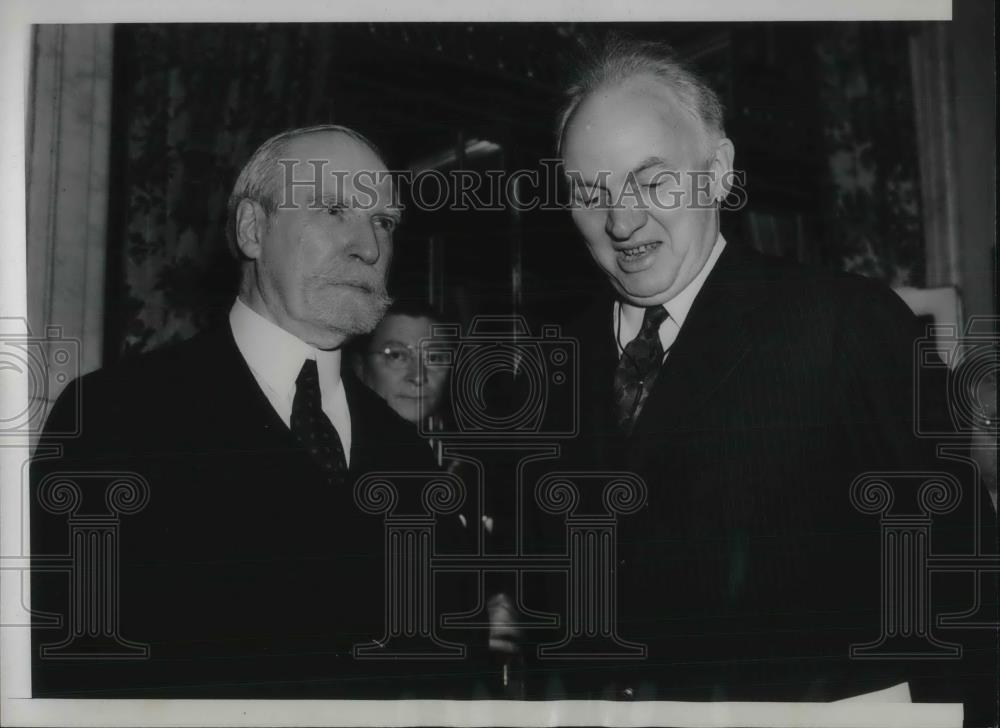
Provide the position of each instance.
(653, 318)
(308, 374)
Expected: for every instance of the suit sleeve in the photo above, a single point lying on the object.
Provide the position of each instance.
(70, 475)
(888, 397)
(50, 533)
(895, 407)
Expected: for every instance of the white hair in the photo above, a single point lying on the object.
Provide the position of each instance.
(259, 178)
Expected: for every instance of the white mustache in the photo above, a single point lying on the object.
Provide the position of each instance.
(375, 287)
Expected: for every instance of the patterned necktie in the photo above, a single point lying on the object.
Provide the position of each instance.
(637, 369)
(313, 428)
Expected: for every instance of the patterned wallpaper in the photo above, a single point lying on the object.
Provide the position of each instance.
(867, 112)
(193, 102)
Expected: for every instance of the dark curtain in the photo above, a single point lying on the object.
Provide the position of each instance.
(193, 102)
(872, 192)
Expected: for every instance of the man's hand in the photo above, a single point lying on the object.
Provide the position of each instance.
(505, 637)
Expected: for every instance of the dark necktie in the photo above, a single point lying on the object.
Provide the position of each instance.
(313, 428)
(637, 369)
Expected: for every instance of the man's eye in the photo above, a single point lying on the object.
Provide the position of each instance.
(660, 179)
(396, 355)
(387, 223)
(336, 209)
(588, 200)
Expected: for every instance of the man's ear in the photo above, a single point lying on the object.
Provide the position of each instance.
(722, 169)
(358, 366)
(250, 224)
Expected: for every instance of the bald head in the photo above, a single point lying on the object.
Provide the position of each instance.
(621, 62)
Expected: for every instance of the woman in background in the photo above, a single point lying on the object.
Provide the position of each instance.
(389, 365)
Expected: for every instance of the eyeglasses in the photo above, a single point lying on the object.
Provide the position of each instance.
(400, 357)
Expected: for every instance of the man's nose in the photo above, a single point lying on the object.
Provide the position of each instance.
(623, 220)
(364, 242)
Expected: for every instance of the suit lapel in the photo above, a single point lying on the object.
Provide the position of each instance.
(360, 427)
(238, 390)
(711, 344)
(260, 427)
(595, 333)
(370, 451)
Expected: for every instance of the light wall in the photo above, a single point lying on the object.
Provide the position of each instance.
(68, 146)
(975, 133)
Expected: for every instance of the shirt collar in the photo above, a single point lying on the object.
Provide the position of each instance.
(275, 355)
(679, 306)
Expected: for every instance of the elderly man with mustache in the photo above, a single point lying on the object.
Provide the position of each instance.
(251, 572)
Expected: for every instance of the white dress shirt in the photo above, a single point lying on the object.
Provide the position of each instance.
(628, 318)
(275, 357)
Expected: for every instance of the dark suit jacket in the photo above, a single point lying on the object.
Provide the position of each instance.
(749, 573)
(246, 573)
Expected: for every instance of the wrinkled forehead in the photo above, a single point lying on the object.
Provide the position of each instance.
(616, 129)
(332, 166)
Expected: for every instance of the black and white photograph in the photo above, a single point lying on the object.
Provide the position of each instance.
(500, 366)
